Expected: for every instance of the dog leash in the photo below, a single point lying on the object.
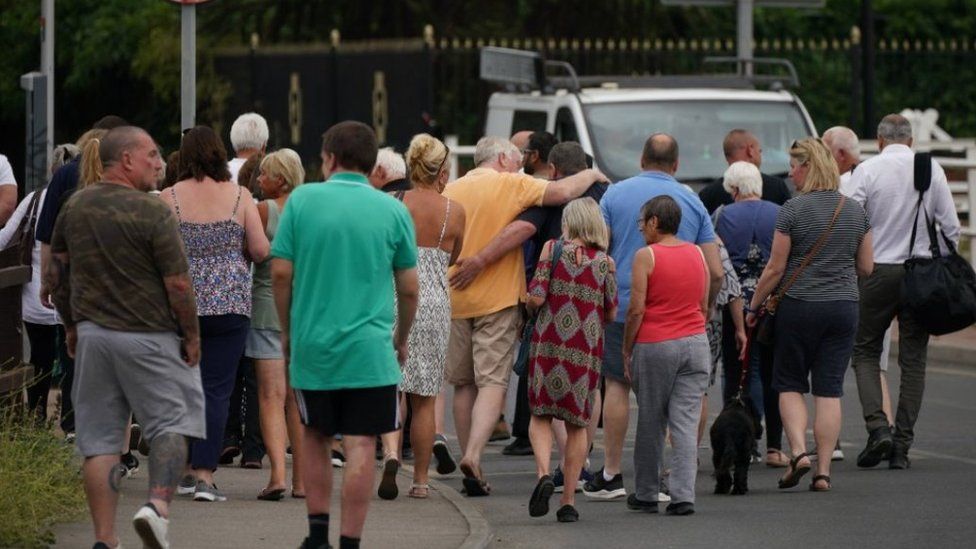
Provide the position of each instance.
(745, 363)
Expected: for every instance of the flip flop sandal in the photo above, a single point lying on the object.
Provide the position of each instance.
(276, 494)
(539, 502)
(795, 472)
(419, 491)
(388, 486)
(473, 486)
(297, 495)
(818, 478)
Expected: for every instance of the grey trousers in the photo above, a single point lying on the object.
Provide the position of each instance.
(879, 305)
(669, 379)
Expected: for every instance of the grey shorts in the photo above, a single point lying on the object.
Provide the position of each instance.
(263, 344)
(613, 352)
(142, 373)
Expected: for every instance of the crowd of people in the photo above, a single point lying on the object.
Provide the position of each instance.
(204, 308)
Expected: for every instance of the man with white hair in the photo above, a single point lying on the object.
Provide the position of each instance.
(885, 186)
(248, 136)
(485, 313)
(843, 144)
(390, 173)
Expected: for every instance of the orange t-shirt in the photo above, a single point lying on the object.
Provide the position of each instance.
(491, 201)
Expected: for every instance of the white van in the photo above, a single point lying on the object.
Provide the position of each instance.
(611, 117)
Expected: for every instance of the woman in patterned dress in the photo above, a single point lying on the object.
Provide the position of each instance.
(439, 223)
(575, 295)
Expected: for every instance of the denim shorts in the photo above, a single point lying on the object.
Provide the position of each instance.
(263, 344)
(814, 343)
(613, 352)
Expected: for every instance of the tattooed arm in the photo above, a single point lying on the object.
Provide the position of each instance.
(179, 290)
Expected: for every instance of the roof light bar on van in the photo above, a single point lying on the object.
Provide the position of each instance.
(517, 69)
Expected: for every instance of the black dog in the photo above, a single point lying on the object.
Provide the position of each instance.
(734, 435)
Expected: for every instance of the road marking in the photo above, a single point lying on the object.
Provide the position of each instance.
(937, 455)
(952, 371)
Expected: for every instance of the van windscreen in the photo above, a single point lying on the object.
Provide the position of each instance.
(618, 132)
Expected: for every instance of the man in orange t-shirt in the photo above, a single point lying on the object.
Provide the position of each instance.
(484, 299)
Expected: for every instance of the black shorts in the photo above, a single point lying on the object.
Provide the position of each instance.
(355, 412)
(814, 342)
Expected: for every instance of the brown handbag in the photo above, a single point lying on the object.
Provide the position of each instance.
(766, 316)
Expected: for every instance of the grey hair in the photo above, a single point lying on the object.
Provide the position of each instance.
(62, 154)
(249, 131)
(392, 162)
(489, 147)
(843, 138)
(743, 176)
(895, 128)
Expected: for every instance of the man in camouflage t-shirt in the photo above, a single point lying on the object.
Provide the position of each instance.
(119, 278)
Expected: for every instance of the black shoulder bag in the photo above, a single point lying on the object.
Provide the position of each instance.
(940, 290)
(522, 360)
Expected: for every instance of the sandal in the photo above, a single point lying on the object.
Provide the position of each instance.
(795, 471)
(776, 459)
(474, 486)
(272, 494)
(388, 486)
(818, 478)
(419, 491)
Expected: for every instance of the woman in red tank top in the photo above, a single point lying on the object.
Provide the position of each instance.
(666, 356)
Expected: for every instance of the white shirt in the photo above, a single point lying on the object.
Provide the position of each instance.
(31, 309)
(846, 188)
(235, 166)
(6, 172)
(885, 186)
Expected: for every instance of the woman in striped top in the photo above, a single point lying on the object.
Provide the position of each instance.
(816, 320)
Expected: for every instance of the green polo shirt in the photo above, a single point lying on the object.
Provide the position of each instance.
(345, 239)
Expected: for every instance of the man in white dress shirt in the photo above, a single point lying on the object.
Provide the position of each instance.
(885, 186)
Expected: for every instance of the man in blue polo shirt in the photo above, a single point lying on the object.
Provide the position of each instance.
(338, 247)
(621, 207)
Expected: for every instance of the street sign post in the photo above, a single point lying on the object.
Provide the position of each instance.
(744, 9)
(188, 62)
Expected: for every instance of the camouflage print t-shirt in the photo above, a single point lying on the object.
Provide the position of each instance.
(121, 242)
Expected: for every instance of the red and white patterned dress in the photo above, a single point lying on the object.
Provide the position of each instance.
(567, 344)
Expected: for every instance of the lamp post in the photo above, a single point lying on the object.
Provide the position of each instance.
(188, 62)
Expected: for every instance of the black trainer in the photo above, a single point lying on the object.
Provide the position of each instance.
(877, 448)
(899, 458)
(635, 504)
(518, 447)
(601, 488)
(539, 502)
(567, 513)
(130, 462)
(681, 508)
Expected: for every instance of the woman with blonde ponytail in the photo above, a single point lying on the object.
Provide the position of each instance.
(439, 223)
(90, 170)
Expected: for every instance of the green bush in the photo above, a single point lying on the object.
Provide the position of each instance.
(40, 483)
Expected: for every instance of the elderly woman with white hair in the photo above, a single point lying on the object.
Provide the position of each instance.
(746, 227)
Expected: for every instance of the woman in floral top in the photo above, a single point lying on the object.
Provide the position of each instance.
(575, 294)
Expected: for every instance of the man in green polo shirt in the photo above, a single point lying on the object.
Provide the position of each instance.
(340, 249)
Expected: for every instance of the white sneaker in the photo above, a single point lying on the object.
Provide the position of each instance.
(838, 455)
(151, 527)
(663, 498)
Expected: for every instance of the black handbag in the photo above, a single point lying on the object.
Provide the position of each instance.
(525, 341)
(766, 317)
(939, 290)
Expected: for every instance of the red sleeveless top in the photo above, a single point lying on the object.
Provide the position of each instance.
(672, 308)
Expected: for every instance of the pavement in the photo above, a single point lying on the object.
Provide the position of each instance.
(444, 520)
(927, 505)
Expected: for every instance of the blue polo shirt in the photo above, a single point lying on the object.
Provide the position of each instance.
(345, 240)
(621, 206)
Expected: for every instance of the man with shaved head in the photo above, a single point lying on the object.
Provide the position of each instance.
(741, 145)
(120, 279)
(885, 186)
(621, 206)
